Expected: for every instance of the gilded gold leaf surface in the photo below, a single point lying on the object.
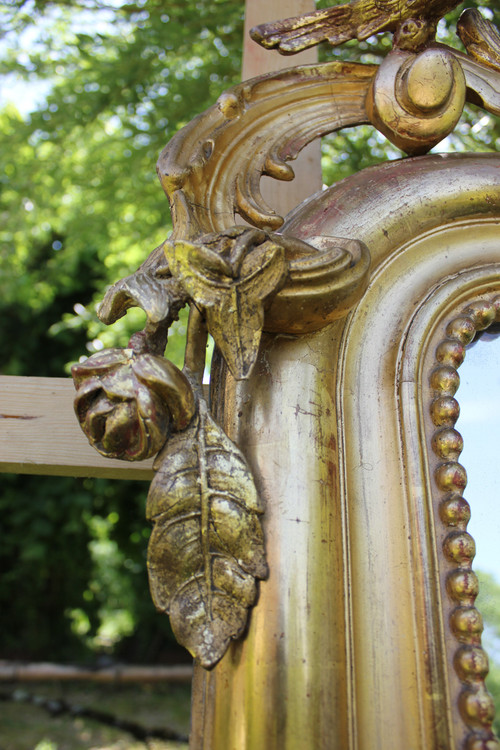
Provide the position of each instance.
(230, 276)
(207, 546)
(323, 283)
(213, 166)
(480, 38)
(154, 290)
(150, 288)
(413, 23)
(138, 290)
(416, 100)
(127, 403)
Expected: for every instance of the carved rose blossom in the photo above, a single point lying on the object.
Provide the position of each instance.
(127, 403)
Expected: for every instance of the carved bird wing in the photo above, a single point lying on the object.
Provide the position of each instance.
(295, 34)
(480, 38)
(358, 19)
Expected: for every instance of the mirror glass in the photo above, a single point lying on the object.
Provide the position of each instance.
(479, 424)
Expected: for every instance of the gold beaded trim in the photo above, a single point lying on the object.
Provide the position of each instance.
(470, 661)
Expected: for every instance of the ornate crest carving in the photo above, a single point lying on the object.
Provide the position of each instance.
(412, 23)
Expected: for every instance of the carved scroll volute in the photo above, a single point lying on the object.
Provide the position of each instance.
(212, 168)
(417, 100)
(419, 92)
(322, 286)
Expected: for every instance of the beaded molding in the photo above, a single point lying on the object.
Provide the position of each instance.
(470, 660)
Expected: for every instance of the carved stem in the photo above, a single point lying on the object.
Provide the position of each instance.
(196, 345)
(205, 505)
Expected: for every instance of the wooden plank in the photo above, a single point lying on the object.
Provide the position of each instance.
(282, 196)
(39, 433)
(120, 673)
(256, 60)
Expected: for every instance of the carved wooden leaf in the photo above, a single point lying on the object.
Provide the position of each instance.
(151, 288)
(138, 290)
(292, 35)
(233, 305)
(207, 545)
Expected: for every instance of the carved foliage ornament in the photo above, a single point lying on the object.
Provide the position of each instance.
(207, 548)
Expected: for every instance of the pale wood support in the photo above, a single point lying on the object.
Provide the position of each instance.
(39, 433)
(42, 671)
(282, 196)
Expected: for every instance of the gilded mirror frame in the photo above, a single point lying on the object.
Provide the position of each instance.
(362, 496)
(391, 347)
(466, 658)
(309, 481)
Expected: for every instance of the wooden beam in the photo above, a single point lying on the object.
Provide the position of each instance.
(256, 60)
(120, 673)
(282, 196)
(39, 433)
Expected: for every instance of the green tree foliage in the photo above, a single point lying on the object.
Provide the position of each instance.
(106, 85)
(80, 195)
(80, 206)
(74, 581)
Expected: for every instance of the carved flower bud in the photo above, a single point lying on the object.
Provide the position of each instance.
(126, 403)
